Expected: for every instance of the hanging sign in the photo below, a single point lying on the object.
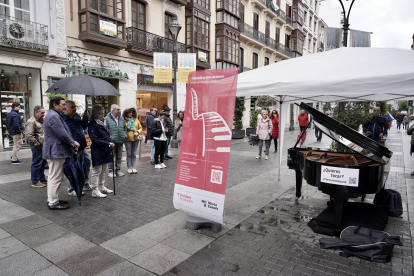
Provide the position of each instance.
(107, 28)
(162, 68)
(202, 56)
(186, 65)
(200, 183)
(73, 69)
(340, 176)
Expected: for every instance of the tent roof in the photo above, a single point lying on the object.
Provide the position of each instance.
(344, 74)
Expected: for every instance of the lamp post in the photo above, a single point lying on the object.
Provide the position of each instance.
(174, 29)
(292, 120)
(346, 22)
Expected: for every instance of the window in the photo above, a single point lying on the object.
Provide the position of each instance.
(305, 16)
(309, 45)
(277, 37)
(314, 47)
(20, 9)
(197, 30)
(203, 3)
(293, 44)
(138, 15)
(230, 5)
(201, 33)
(316, 4)
(241, 12)
(267, 29)
(168, 19)
(255, 62)
(310, 21)
(266, 61)
(113, 8)
(227, 47)
(241, 57)
(255, 21)
(314, 26)
(224, 17)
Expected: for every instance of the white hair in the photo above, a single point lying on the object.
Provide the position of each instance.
(113, 107)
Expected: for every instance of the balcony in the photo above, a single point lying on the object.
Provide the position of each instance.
(146, 83)
(248, 31)
(20, 34)
(244, 69)
(261, 4)
(289, 23)
(281, 16)
(179, 2)
(145, 43)
(285, 50)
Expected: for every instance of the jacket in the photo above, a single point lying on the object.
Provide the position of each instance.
(76, 126)
(101, 152)
(406, 119)
(148, 123)
(118, 131)
(389, 118)
(14, 123)
(168, 124)
(399, 118)
(130, 133)
(156, 128)
(410, 132)
(58, 138)
(303, 119)
(275, 127)
(34, 132)
(264, 128)
(376, 126)
(178, 131)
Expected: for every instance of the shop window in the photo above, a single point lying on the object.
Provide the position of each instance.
(255, 61)
(168, 19)
(138, 18)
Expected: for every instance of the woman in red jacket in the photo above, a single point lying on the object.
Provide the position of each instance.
(275, 130)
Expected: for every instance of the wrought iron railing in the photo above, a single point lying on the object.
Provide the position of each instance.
(281, 14)
(285, 50)
(289, 21)
(18, 33)
(146, 83)
(244, 69)
(251, 32)
(151, 42)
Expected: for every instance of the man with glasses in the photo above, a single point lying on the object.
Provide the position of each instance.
(377, 126)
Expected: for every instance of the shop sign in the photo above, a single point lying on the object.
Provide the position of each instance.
(202, 56)
(340, 176)
(94, 71)
(186, 65)
(162, 68)
(107, 28)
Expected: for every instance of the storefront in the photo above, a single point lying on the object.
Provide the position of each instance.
(18, 84)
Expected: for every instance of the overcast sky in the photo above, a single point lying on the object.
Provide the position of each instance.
(392, 22)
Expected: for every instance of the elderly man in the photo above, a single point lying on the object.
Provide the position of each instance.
(117, 129)
(15, 129)
(35, 138)
(56, 148)
(77, 125)
(148, 124)
(377, 126)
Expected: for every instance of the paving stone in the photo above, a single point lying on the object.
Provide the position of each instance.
(42, 235)
(3, 234)
(50, 271)
(128, 245)
(188, 241)
(125, 269)
(22, 225)
(10, 246)
(12, 212)
(23, 263)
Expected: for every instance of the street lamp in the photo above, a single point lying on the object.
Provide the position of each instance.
(346, 22)
(292, 120)
(174, 29)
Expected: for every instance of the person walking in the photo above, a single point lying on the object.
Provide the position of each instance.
(35, 138)
(101, 151)
(275, 127)
(399, 119)
(389, 120)
(263, 130)
(303, 120)
(134, 129)
(178, 127)
(57, 146)
(406, 121)
(377, 126)
(77, 125)
(118, 131)
(15, 128)
(158, 133)
(148, 123)
(170, 126)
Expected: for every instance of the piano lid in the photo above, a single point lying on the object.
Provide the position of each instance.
(348, 137)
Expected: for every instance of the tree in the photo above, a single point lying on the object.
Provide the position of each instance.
(265, 101)
(326, 107)
(354, 114)
(402, 105)
(253, 118)
(239, 108)
(383, 106)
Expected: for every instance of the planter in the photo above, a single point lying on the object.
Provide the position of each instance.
(250, 130)
(238, 134)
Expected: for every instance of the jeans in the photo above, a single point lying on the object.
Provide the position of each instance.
(159, 150)
(38, 166)
(407, 125)
(318, 134)
(178, 142)
(378, 140)
(118, 156)
(399, 125)
(131, 149)
(88, 161)
(166, 147)
(152, 150)
(267, 144)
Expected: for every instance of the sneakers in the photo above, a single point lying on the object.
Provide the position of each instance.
(162, 165)
(118, 173)
(130, 171)
(17, 162)
(134, 170)
(111, 174)
(158, 166)
(73, 193)
(39, 185)
(106, 191)
(87, 187)
(97, 193)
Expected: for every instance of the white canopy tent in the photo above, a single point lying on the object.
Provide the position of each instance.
(344, 74)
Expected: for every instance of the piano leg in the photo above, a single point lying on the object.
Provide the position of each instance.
(339, 201)
(298, 183)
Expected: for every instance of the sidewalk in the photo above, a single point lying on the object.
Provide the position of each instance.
(138, 232)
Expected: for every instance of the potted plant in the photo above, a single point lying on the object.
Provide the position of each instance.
(238, 132)
(253, 122)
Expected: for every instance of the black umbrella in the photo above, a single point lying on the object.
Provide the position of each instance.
(83, 85)
(74, 169)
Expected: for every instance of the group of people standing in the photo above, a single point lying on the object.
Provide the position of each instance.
(404, 120)
(267, 130)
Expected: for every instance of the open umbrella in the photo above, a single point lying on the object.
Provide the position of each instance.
(83, 85)
(74, 169)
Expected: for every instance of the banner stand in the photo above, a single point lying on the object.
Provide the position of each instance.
(195, 223)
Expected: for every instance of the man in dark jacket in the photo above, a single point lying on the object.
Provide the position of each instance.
(148, 123)
(377, 125)
(169, 124)
(15, 129)
(117, 129)
(399, 118)
(77, 125)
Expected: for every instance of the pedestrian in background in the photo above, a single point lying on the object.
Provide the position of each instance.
(389, 120)
(303, 120)
(118, 131)
(101, 151)
(170, 126)
(58, 146)
(406, 121)
(148, 123)
(158, 133)
(15, 128)
(134, 129)
(377, 126)
(178, 127)
(77, 125)
(263, 130)
(35, 138)
(399, 119)
(275, 127)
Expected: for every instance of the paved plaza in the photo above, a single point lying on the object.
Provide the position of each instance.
(138, 231)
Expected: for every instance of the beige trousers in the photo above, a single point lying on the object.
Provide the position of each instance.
(17, 144)
(97, 180)
(54, 180)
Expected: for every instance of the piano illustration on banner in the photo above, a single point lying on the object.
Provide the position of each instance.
(215, 129)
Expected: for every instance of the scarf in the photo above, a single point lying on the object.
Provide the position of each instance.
(40, 120)
(101, 123)
(131, 124)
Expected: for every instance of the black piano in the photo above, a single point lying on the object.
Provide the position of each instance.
(355, 170)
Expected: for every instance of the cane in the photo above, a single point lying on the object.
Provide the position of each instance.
(113, 169)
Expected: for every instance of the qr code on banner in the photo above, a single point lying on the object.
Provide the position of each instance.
(352, 180)
(216, 176)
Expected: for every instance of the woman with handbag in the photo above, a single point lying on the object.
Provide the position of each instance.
(158, 133)
(275, 127)
(134, 130)
(263, 130)
(178, 127)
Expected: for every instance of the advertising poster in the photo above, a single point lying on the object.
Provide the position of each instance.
(186, 65)
(162, 68)
(107, 28)
(359, 39)
(333, 38)
(200, 184)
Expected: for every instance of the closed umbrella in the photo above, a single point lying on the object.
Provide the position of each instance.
(83, 85)
(74, 169)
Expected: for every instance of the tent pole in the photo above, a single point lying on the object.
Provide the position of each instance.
(280, 150)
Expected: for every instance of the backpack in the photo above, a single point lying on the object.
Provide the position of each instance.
(364, 243)
(391, 201)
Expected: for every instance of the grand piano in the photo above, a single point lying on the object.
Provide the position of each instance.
(357, 169)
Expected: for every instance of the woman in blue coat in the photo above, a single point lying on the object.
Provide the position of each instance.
(101, 151)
